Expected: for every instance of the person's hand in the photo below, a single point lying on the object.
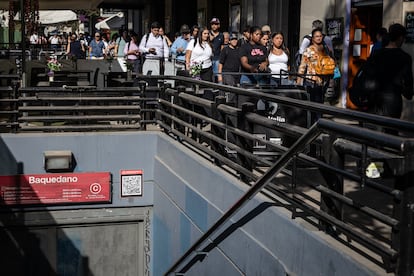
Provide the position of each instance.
(262, 67)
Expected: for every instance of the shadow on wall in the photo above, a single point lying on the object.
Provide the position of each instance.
(31, 249)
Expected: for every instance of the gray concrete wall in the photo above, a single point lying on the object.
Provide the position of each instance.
(190, 194)
(317, 9)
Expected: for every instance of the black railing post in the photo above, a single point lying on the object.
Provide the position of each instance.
(247, 144)
(192, 120)
(403, 237)
(334, 182)
(163, 95)
(142, 86)
(217, 131)
(15, 106)
(177, 101)
(169, 95)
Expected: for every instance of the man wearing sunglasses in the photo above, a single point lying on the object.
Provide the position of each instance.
(96, 47)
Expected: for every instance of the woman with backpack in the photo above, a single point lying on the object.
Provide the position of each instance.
(133, 54)
(316, 68)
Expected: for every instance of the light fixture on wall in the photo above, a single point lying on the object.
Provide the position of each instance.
(58, 161)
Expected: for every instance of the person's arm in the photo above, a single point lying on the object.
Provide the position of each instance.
(173, 49)
(68, 48)
(301, 69)
(305, 44)
(219, 75)
(104, 48)
(328, 42)
(142, 47)
(116, 48)
(263, 65)
(188, 59)
(188, 51)
(128, 51)
(176, 49)
(167, 39)
(245, 64)
(222, 60)
(166, 50)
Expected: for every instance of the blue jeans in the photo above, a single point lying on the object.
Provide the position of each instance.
(282, 81)
(215, 69)
(254, 79)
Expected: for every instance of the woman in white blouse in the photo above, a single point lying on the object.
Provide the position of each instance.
(279, 60)
(199, 52)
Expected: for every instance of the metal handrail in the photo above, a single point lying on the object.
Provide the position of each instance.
(300, 144)
(182, 113)
(402, 125)
(176, 111)
(265, 179)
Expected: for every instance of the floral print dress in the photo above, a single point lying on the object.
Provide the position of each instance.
(308, 65)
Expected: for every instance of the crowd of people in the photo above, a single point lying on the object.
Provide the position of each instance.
(257, 56)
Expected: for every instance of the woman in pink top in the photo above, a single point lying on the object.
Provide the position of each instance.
(132, 53)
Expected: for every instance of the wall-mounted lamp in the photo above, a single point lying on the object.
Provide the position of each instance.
(58, 161)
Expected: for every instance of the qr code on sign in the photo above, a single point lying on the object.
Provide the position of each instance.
(131, 185)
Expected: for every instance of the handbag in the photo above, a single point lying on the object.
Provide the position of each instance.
(337, 73)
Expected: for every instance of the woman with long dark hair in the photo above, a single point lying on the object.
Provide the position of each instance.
(279, 60)
(316, 82)
(199, 54)
(133, 54)
(253, 59)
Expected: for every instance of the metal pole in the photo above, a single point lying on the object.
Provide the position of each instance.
(23, 43)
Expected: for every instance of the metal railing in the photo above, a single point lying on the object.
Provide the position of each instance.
(79, 108)
(340, 151)
(256, 144)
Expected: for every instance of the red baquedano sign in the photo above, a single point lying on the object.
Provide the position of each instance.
(59, 188)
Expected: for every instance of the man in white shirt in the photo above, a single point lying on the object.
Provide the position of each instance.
(317, 24)
(155, 49)
(34, 39)
(54, 41)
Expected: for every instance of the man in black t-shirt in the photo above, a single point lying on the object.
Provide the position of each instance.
(217, 41)
(230, 63)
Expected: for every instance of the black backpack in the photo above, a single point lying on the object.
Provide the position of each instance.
(365, 85)
(298, 56)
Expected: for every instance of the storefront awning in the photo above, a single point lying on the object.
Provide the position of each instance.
(45, 17)
(81, 4)
(113, 22)
(362, 3)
